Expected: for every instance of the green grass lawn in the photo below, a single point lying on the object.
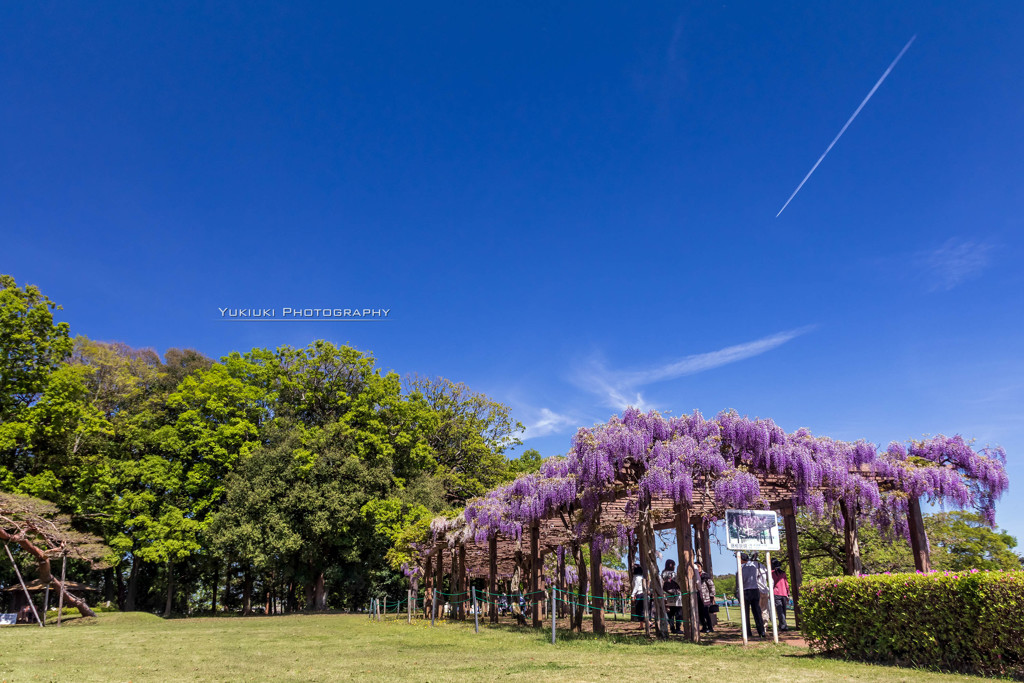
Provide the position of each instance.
(142, 647)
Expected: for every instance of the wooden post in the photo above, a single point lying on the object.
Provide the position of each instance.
(28, 596)
(851, 544)
(428, 586)
(476, 612)
(796, 574)
(918, 538)
(596, 587)
(686, 571)
(439, 584)
(492, 578)
(642, 554)
(463, 593)
(535, 572)
(60, 598)
(560, 580)
(698, 541)
(705, 545)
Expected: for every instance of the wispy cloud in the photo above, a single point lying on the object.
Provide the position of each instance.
(954, 262)
(547, 422)
(620, 389)
(847, 124)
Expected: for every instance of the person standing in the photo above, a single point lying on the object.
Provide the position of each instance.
(781, 593)
(707, 598)
(637, 593)
(752, 593)
(673, 597)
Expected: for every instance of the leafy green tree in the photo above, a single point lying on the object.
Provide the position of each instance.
(528, 461)
(963, 540)
(468, 434)
(957, 540)
(33, 346)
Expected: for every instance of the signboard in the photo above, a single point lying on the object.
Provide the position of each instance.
(9, 619)
(752, 530)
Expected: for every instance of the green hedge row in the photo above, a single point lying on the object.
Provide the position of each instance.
(956, 621)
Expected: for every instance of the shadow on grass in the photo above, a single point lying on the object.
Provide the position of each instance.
(911, 666)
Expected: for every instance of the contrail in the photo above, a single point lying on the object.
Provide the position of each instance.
(829, 148)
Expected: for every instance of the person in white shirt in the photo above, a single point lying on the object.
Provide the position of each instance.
(639, 606)
(751, 581)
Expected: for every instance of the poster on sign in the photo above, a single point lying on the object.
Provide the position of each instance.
(752, 530)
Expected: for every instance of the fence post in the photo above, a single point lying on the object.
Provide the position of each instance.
(771, 597)
(476, 612)
(433, 608)
(408, 603)
(554, 612)
(743, 598)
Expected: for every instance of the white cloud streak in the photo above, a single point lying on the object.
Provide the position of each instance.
(954, 262)
(619, 389)
(847, 124)
(547, 423)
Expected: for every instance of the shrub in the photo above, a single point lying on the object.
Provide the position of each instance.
(962, 621)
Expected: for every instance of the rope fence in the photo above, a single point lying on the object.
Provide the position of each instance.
(439, 605)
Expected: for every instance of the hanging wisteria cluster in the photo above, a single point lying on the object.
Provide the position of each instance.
(723, 463)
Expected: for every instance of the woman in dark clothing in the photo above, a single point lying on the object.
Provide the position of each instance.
(673, 597)
(707, 598)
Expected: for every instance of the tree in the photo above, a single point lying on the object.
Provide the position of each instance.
(528, 461)
(963, 540)
(33, 346)
(957, 540)
(36, 527)
(468, 434)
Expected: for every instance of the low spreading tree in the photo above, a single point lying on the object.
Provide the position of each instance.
(37, 528)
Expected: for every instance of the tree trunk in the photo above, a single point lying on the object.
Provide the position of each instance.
(581, 599)
(319, 593)
(170, 590)
(119, 575)
(851, 543)
(247, 592)
(216, 582)
(649, 561)
(133, 585)
(108, 584)
(597, 586)
(226, 599)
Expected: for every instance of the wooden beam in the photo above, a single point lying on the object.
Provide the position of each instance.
(918, 538)
(796, 573)
(685, 571)
(492, 578)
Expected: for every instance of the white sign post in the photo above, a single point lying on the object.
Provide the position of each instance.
(771, 597)
(743, 601)
(752, 531)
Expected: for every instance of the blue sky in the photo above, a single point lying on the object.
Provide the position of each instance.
(568, 208)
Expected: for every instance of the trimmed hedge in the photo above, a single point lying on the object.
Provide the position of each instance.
(955, 621)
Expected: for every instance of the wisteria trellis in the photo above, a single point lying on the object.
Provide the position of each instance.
(642, 472)
(724, 461)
